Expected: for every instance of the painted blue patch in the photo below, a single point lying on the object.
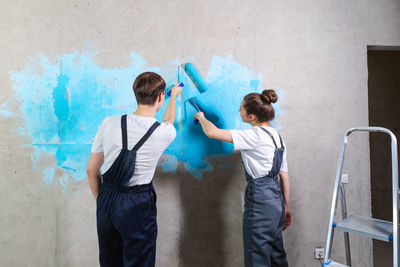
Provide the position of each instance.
(62, 104)
(48, 176)
(61, 99)
(6, 113)
(254, 84)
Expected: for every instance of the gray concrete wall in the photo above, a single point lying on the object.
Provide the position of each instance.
(315, 50)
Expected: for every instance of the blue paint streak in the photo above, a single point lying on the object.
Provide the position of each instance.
(62, 108)
(6, 113)
(60, 98)
(48, 176)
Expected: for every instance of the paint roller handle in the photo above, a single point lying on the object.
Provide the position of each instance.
(170, 91)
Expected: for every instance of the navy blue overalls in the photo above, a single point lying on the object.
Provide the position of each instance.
(126, 216)
(264, 217)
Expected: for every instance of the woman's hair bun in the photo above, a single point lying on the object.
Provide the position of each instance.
(269, 96)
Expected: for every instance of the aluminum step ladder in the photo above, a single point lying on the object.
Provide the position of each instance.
(370, 227)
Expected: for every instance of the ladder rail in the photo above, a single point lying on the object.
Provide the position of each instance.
(395, 187)
(395, 199)
(395, 192)
(344, 216)
(329, 239)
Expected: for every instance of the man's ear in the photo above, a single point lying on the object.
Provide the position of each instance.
(159, 99)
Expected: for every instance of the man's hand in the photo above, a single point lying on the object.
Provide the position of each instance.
(176, 90)
(169, 114)
(93, 171)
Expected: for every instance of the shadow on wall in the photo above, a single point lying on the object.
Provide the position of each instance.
(211, 232)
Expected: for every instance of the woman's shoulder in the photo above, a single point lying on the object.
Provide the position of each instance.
(248, 131)
(270, 129)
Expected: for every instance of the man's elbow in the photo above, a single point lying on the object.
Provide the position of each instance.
(169, 120)
(91, 172)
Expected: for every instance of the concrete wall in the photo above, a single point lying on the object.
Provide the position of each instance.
(316, 51)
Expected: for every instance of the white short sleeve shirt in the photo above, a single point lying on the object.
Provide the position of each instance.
(109, 141)
(257, 149)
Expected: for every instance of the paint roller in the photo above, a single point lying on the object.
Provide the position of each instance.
(201, 107)
(201, 85)
(194, 75)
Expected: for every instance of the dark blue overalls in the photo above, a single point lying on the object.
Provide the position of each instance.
(264, 217)
(126, 216)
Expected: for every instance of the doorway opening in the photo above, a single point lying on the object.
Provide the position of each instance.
(384, 111)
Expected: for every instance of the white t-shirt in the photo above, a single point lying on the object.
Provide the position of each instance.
(257, 149)
(109, 140)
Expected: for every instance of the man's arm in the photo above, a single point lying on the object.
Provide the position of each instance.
(169, 114)
(93, 172)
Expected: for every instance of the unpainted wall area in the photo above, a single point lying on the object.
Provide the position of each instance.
(315, 51)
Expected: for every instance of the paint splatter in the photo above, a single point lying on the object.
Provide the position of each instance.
(62, 103)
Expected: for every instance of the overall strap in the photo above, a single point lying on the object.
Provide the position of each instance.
(280, 138)
(146, 136)
(273, 140)
(124, 132)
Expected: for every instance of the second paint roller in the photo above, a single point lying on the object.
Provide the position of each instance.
(201, 85)
(199, 106)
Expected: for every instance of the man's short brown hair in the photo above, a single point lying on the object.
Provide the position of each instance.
(147, 87)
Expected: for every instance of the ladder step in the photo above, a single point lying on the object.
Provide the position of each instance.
(336, 264)
(370, 227)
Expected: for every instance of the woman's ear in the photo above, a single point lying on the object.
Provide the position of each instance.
(252, 117)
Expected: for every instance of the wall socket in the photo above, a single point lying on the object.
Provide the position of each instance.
(319, 253)
(345, 178)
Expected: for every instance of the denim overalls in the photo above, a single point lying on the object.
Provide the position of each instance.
(264, 217)
(126, 216)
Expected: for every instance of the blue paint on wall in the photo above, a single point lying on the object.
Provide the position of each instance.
(254, 84)
(62, 104)
(48, 176)
(61, 99)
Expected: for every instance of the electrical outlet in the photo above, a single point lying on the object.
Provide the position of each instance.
(319, 253)
(345, 178)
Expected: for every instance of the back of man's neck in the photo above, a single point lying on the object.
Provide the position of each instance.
(145, 111)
